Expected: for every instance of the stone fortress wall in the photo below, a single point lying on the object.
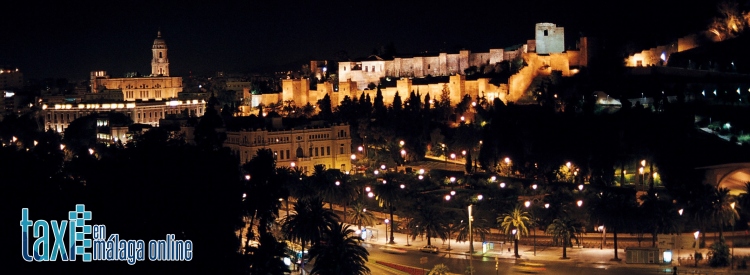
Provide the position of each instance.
(659, 55)
(355, 76)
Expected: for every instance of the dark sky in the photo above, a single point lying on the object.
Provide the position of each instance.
(71, 38)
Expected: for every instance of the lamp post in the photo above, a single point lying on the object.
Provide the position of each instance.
(695, 245)
(732, 256)
(386, 231)
(515, 242)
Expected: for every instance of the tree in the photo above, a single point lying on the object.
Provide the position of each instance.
(396, 105)
(340, 253)
(517, 219)
(562, 230)
(360, 216)
(378, 104)
(659, 216)
(324, 106)
(428, 220)
(268, 256)
(387, 194)
(613, 208)
(309, 221)
(722, 210)
(206, 134)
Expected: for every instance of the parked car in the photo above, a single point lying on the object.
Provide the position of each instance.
(429, 249)
(393, 249)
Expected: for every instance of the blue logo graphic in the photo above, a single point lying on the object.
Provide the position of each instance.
(92, 243)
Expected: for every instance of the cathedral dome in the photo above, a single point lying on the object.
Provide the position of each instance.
(159, 42)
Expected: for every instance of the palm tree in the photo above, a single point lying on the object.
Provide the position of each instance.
(387, 193)
(658, 215)
(517, 219)
(263, 190)
(722, 210)
(480, 227)
(360, 216)
(308, 222)
(340, 253)
(427, 220)
(267, 257)
(613, 207)
(562, 230)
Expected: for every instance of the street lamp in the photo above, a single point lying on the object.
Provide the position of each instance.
(515, 241)
(695, 245)
(386, 231)
(732, 266)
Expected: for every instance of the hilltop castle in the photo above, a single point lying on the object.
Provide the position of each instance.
(541, 56)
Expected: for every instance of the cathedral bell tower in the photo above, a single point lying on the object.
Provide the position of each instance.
(159, 61)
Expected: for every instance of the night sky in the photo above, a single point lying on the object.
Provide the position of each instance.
(68, 39)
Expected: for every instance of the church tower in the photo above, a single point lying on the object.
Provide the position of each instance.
(159, 61)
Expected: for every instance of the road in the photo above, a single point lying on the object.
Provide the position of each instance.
(486, 265)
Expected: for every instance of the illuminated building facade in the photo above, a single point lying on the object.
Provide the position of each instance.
(328, 145)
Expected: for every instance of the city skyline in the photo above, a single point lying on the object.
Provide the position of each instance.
(69, 40)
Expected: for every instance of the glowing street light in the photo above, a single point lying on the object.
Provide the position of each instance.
(580, 187)
(447, 197)
(527, 204)
(546, 205)
(502, 185)
(354, 157)
(338, 183)
(533, 186)
(579, 203)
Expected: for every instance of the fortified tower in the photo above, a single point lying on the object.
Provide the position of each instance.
(159, 61)
(549, 38)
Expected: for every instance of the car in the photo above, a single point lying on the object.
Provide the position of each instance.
(529, 267)
(429, 249)
(393, 249)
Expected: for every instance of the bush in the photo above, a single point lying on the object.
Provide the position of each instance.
(720, 254)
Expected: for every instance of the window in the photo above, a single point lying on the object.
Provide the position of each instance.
(316, 151)
(341, 150)
(365, 68)
(160, 55)
(545, 32)
(287, 154)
